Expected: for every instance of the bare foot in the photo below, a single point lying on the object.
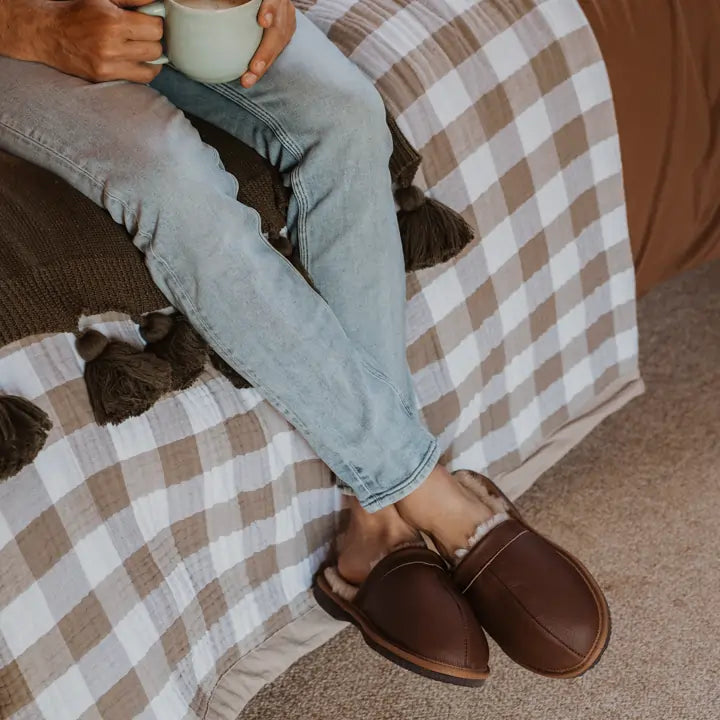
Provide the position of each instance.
(445, 510)
(368, 538)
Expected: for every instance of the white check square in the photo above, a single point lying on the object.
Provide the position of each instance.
(67, 698)
(97, 555)
(132, 437)
(25, 619)
(478, 172)
(552, 199)
(506, 54)
(449, 98)
(533, 126)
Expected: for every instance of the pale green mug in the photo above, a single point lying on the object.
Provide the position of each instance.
(208, 45)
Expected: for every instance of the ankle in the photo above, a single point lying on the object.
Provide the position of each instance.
(441, 498)
(446, 511)
(368, 538)
(385, 524)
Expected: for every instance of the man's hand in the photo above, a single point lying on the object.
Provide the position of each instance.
(98, 40)
(277, 17)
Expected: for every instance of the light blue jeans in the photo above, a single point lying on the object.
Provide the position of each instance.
(334, 365)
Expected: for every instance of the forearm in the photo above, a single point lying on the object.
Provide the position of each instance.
(24, 28)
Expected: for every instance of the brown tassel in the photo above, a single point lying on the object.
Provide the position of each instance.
(172, 338)
(122, 381)
(23, 431)
(234, 377)
(431, 232)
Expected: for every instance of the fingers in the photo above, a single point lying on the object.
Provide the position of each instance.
(142, 27)
(268, 12)
(273, 42)
(270, 46)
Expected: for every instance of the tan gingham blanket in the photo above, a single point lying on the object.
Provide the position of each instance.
(145, 567)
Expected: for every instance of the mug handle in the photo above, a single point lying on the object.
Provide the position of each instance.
(156, 9)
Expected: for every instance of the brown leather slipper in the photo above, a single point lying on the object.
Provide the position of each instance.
(536, 600)
(409, 611)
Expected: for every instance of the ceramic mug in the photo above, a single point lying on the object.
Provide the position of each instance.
(208, 44)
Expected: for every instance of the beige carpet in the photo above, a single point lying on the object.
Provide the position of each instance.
(639, 502)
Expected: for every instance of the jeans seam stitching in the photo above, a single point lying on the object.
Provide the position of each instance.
(288, 143)
(301, 194)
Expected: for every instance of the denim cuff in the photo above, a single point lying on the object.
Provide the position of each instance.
(378, 501)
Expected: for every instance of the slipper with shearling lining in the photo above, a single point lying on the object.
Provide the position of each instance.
(409, 611)
(538, 602)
